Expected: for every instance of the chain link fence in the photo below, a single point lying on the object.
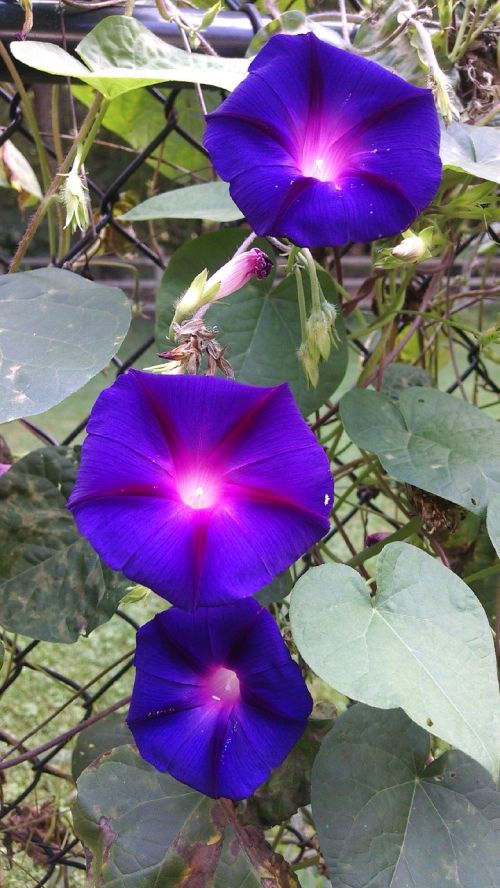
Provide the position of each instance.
(27, 823)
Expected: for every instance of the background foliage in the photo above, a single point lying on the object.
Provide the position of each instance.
(396, 607)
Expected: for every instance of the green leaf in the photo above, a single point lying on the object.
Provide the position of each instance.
(210, 201)
(384, 819)
(279, 588)
(261, 326)
(120, 55)
(289, 786)
(456, 457)
(137, 117)
(423, 643)
(398, 377)
(146, 830)
(472, 149)
(104, 735)
(57, 330)
(53, 585)
(493, 522)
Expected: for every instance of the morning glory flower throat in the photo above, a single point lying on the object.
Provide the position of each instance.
(199, 488)
(322, 146)
(217, 702)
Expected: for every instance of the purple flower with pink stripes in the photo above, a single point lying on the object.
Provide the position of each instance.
(202, 489)
(323, 146)
(218, 701)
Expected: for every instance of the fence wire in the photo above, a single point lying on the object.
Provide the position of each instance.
(20, 820)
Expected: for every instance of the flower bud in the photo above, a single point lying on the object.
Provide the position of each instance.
(411, 249)
(309, 361)
(75, 198)
(238, 271)
(231, 277)
(320, 329)
(4, 467)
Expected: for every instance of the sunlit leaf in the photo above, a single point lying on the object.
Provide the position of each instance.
(120, 55)
(472, 149)
(211, 201)
(423, 643)
(57, 330)
(430, 439)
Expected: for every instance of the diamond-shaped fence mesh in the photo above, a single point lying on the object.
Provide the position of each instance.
(29, 822)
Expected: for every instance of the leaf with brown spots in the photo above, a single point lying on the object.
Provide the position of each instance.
(53, 586)
(162, 834)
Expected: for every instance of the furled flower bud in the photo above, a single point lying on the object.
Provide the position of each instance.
(238, 271)
(371, 539)
(320, 329)
(411, 249)
(4, 467)
(309, 358)
(74, 195)
(231, 277)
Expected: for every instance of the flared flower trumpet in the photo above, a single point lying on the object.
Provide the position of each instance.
(217, 702)
(322, 146)
(199, 488)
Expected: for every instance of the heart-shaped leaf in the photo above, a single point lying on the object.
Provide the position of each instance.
(53, 586)
(211, 201)
(386, 819)
(423, 643)
(146, 830)
(120, 55)
(493, 522)
(57, 330)
(430, 439)
(472, 149)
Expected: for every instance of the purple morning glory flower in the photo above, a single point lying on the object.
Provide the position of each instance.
(202, 489)
(323, 146)
(218, 701)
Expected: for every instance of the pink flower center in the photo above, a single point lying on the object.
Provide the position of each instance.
(322, 156)
(198, 491)
(223, 686)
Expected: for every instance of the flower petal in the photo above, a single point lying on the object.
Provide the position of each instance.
(186, 500)
(315, 164)
(221, 748)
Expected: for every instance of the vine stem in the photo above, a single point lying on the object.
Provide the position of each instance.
(35, 131)
(82, 143)
(302, 304)
(62, 738)
(313, 274)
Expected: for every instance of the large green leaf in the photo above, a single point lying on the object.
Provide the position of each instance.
(146, 830)
(137, 117)
(385, 819)
(101, 737)
(398, 377)
(120, 55)
(53, 586)
(430, 439)
(423, 643)
(57, 330)
(472, 149)
(260, 325)
(493, 522)
(211, 201)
